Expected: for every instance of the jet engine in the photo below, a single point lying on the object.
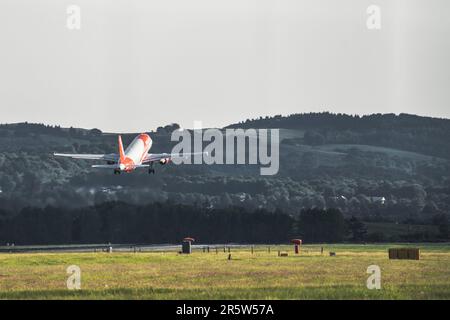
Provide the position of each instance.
(164, 161)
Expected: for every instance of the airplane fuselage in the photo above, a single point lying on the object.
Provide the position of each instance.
(135, 152)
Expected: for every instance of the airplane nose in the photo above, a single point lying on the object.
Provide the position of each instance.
(122, 166)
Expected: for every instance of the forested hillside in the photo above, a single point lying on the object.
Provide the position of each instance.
(406, 132)
(388, 168)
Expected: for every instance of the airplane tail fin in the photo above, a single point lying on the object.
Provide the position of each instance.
(121, 152)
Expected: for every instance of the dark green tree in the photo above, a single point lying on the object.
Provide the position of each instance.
(358, 230)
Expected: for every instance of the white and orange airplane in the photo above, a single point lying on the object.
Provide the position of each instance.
(135, 156)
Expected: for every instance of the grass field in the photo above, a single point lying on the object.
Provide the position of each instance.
(261, 275)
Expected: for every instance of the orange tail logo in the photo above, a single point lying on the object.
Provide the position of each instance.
(121, 152)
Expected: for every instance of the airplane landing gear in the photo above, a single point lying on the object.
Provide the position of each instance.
(150, 169)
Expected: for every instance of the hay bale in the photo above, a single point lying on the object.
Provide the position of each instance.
(414, 254)
(404, 253)
(392, 253)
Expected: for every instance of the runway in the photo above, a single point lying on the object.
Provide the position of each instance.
(117, 248)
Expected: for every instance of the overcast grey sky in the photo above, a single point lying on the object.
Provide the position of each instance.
(138, 64)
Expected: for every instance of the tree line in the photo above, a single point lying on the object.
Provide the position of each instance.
(119, 222)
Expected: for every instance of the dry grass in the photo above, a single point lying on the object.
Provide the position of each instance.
(261, 275)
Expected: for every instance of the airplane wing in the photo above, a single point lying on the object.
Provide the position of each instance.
(106, 157)
(116, 166)
(153, 157)
(106, 166)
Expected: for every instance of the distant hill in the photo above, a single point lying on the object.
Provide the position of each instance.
(341, 121)
(405, 132)
(326, 160)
